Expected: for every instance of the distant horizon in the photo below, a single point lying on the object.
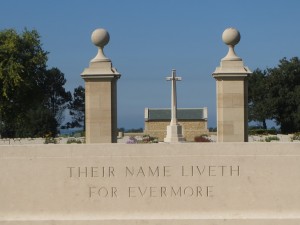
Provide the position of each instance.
(270, 124)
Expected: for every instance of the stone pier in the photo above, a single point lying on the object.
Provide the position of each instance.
(101, 94)
(232, 93)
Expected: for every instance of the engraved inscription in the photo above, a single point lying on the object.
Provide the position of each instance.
(103, 192)
(92, 171)
(211, 171)
(159, 192)
(163, 171)
(140, 183)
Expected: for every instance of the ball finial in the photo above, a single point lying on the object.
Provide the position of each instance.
(231, 36)
(100, 37)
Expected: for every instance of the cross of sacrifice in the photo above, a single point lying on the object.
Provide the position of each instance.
(173, 78)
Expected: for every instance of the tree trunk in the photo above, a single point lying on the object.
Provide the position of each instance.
(264, 124)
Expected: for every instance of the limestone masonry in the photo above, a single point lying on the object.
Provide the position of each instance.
(232, 93)
(191, 183)
(100, 94)
(193, 122)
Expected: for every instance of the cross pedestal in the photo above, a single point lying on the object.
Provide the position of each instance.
(174, 130)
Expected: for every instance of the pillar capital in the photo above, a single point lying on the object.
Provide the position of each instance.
(231, 65)
(100, 70)
(100, 66)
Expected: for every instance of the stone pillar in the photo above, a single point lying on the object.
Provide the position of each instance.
(232, 93)
(100, 94)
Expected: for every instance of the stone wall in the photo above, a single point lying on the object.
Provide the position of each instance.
(190, 129)
(153, 184)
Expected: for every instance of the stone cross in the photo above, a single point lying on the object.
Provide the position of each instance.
(174, 130)
(173, 78)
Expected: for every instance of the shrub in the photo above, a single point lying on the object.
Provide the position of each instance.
(202, 138)
(149, 139)
(262, 132)
(50, 140)
(132, 140)
(73, 140)
(272, 138)
(296, 137)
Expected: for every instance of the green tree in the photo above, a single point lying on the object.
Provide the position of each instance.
(284, 94)
(40, 122)
(275, 94)
(56, 98)
(29, 93)
(77, 109)
(22, 60)
(258, 101)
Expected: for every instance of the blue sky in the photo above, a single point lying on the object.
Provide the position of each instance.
(150, 38)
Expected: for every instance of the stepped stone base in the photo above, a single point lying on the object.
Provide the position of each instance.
(174, 134)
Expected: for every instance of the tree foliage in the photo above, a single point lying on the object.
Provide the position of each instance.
(258, 98)
(77, 109)
(275, 94)
(56, 98)
(30, 95)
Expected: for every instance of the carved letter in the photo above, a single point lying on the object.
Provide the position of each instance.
(237, 171)
(85, 172)
(131, 192)
(94, 171)
(111, 171)
(141, 171)
(71, 171)
(167, 171)
(176, 193)
(155, 172)
(211, 170)
(201, 171)
(90, 191)
(188, 191)
(130, 172)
